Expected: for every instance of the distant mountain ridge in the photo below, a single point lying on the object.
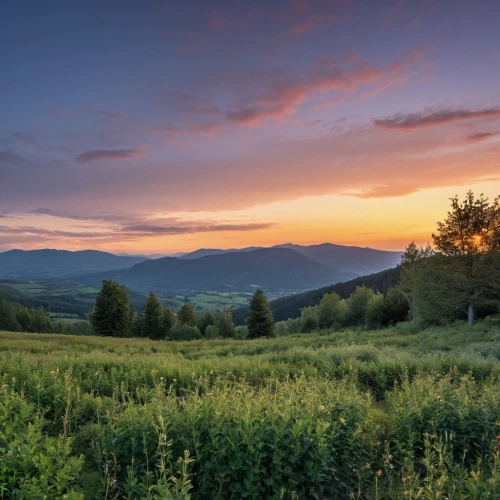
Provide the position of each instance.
(273, 269)
(59, 264)
(359, 260)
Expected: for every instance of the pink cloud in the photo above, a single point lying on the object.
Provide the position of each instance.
(328, 74)
(481, 136)
(417, 121)
(96, 155)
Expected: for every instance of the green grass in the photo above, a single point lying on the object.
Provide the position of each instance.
(353, 414)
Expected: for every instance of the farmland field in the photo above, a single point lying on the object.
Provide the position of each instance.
(354, 414)
(62, 297)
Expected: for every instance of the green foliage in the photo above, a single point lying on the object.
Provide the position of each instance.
(207, 319)
(308, 320)
(260, 320)
(152, 318)
(224, 323)
(182, 331)
(357, 305)
(111, 315)
(211, 332)
(332, 311)
(17, 318)
(168, 321)
(187, 315)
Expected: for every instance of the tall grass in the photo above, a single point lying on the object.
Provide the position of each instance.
(386, 414)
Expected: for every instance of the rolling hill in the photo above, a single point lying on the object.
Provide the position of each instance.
(276, 270)
(59, 264)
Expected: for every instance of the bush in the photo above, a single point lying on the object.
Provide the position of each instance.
(182, 331)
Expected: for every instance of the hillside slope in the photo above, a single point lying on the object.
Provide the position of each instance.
(290, 306)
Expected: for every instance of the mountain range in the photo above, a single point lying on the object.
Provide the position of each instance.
(59, 264)
(280, 269)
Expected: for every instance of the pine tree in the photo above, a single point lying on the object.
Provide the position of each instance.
(153, 318)
(260, 317)
(111, 314)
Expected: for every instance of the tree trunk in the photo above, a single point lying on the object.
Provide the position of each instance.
(470, 313)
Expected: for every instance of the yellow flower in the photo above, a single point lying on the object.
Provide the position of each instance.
(379, 473)
(342, 420)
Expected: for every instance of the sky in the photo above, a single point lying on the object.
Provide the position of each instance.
(159, 127)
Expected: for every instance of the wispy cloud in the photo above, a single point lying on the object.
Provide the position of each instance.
(196, 228)
(426, 119)
(96, 155)
(481, 136)
(280, 98)
(29, 139)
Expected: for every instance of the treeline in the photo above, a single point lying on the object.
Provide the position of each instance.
(290, 306)
(114, 316)
(18, 318)
(364, 308)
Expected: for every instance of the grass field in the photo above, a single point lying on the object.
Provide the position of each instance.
(355, 414)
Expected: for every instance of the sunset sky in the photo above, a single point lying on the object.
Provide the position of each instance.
(163, 126)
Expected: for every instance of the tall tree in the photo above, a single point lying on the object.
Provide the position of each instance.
(260, 320)
(470, 238)
(168, 321)
(187, 315)
(224, 323)
(331, 311)
(111, 314)
(207, 319)
(152, 322)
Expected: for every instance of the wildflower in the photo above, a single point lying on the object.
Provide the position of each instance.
(342, 420)
(368, 466)
(389, 457)
(379, 473)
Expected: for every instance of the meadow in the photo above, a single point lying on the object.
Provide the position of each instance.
(392, 413)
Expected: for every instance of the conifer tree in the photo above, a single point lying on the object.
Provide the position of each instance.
(260, 320)
(111, 314)
(207, 319)
(152, 324)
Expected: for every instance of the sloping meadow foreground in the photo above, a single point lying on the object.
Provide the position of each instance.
(386, 414)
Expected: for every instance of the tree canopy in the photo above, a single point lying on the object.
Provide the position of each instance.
(111, 315)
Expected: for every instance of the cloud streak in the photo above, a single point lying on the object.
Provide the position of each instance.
(97, 155)
(427, 119)
(481, 136)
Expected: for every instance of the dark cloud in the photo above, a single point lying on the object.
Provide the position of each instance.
(108, 154)
(481, 136)
(417, 121)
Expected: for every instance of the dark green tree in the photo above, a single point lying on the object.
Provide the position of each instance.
(168, 321)
(207, 319)
(260, 320)
(224, 323)
(187, 315)
(152, 322)
(111, 314)
(308, 319)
